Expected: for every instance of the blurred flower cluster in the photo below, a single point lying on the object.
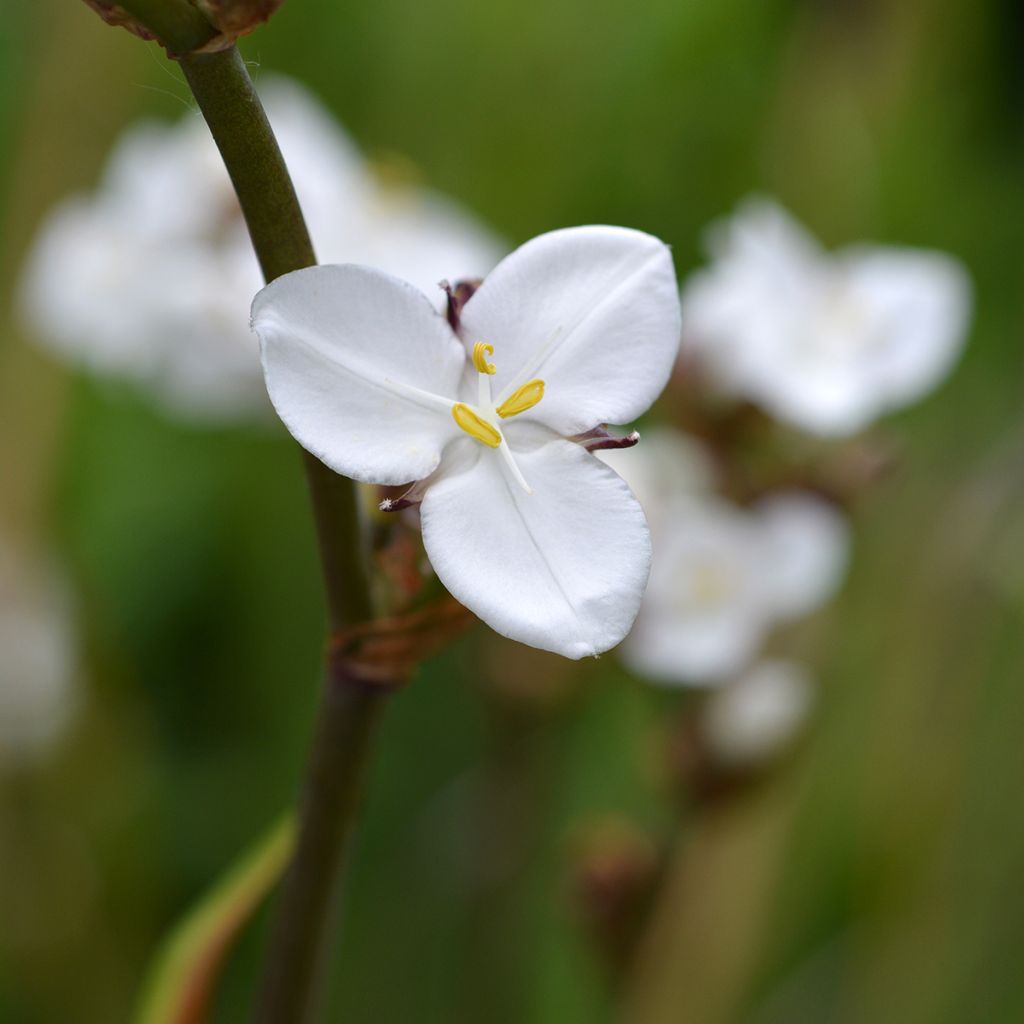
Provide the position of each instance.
(150, 278)
(748, 533)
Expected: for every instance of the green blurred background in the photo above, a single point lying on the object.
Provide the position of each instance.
(876, 878)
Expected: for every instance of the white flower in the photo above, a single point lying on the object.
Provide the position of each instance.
(748, 721)
(151, 277)
(520, 521)
(827, 342)
(723, 576)
(38, 685)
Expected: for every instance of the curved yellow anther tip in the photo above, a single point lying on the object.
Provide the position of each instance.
(474, 425)
(522, 399)
(481, 350)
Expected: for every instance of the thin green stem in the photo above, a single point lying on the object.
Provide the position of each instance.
(297, 966)
(225, 94)
(349, 708)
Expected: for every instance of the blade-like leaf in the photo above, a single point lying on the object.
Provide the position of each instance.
(181, 981)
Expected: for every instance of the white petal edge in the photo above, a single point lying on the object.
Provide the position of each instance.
(562, 569)
(921, 300)
(593, 311)
(361, 369)
(680, 638)
(693, 651)
(753, 718)
(807, 543)
(665, 465)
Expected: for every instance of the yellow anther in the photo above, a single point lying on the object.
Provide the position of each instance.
(522, 399)
(474, 425)
(481, 350)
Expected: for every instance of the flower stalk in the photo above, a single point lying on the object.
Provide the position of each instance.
(349, 707)
(351, 700)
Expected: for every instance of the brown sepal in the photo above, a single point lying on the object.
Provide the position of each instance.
(385, 652)
(114, 14)
(236, 18)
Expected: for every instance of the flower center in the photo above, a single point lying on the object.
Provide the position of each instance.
(482, 421)
(711, 584)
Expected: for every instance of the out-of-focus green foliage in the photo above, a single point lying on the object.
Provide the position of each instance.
(876, 880)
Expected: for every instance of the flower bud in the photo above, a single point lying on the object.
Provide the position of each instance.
(183, 26)
(114, 14)
(236, 18)
(615, 866)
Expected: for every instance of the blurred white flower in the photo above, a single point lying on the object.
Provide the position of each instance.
(753, 718)
(38, 691)
(722, 576)
(665, 466)
(825, 341)
(520, 521)
(151, 277)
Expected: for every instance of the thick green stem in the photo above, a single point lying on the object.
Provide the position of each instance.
(349, 708)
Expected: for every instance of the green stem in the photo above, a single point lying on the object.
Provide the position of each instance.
(349, 708)
(298, 963)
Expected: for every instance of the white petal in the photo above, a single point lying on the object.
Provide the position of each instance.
(920, 303)
(361, 369)
(704, 613)
(563, 568)
(151, 276)
(765, 273)
(806, 551)
(330, 175)
(665, 465)
(762, 229)
(827, 343)
(753, 718)
(884, 328)
(592, 311)
(699, 649)
(424, 238)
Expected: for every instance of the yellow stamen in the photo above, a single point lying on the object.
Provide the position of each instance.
(522, 399)
(480, 352)
(474, 425)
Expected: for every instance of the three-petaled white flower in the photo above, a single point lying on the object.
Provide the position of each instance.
(825, 341)
(521, 522)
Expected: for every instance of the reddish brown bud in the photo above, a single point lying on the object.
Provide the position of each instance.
(616, 865)
(114, 14)
(236, 18)
(458, 296)
(190, 26)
